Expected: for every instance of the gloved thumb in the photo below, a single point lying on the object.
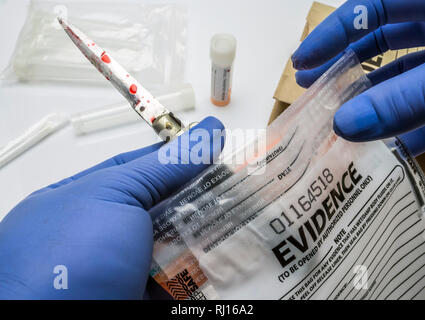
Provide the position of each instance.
(149, 179)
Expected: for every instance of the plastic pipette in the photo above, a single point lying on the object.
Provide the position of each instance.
(32, 136)
(111, 116)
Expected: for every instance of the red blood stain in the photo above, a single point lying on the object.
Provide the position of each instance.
(127, 76)
(133, 89)
(147, 101)
(105, 57)
(152, 119)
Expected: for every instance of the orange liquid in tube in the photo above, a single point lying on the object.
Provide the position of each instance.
(222, 54)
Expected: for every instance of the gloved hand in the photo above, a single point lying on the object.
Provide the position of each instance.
(96, 223)
(396, 102)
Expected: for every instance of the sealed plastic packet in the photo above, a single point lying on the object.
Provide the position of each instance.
(311, 217)
(148, 40)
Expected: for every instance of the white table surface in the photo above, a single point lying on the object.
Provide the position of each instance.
(267, 32)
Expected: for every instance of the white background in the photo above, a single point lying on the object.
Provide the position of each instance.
(267, 32)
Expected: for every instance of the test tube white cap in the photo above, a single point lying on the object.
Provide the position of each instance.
(223, 49)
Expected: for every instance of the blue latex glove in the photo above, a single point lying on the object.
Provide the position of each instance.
(396, 103)
(96, 224)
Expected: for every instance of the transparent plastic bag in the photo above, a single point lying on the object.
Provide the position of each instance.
(147, 39)
(305, 219)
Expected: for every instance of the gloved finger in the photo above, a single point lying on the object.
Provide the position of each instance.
(147, 180)
(389, 37)
(305, 78)
(388, 109)
(347, 25)
(399, 66)
(414, 141)
(114, 161)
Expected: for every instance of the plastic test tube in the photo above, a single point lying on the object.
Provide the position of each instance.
(119, 114)
(222, 54)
